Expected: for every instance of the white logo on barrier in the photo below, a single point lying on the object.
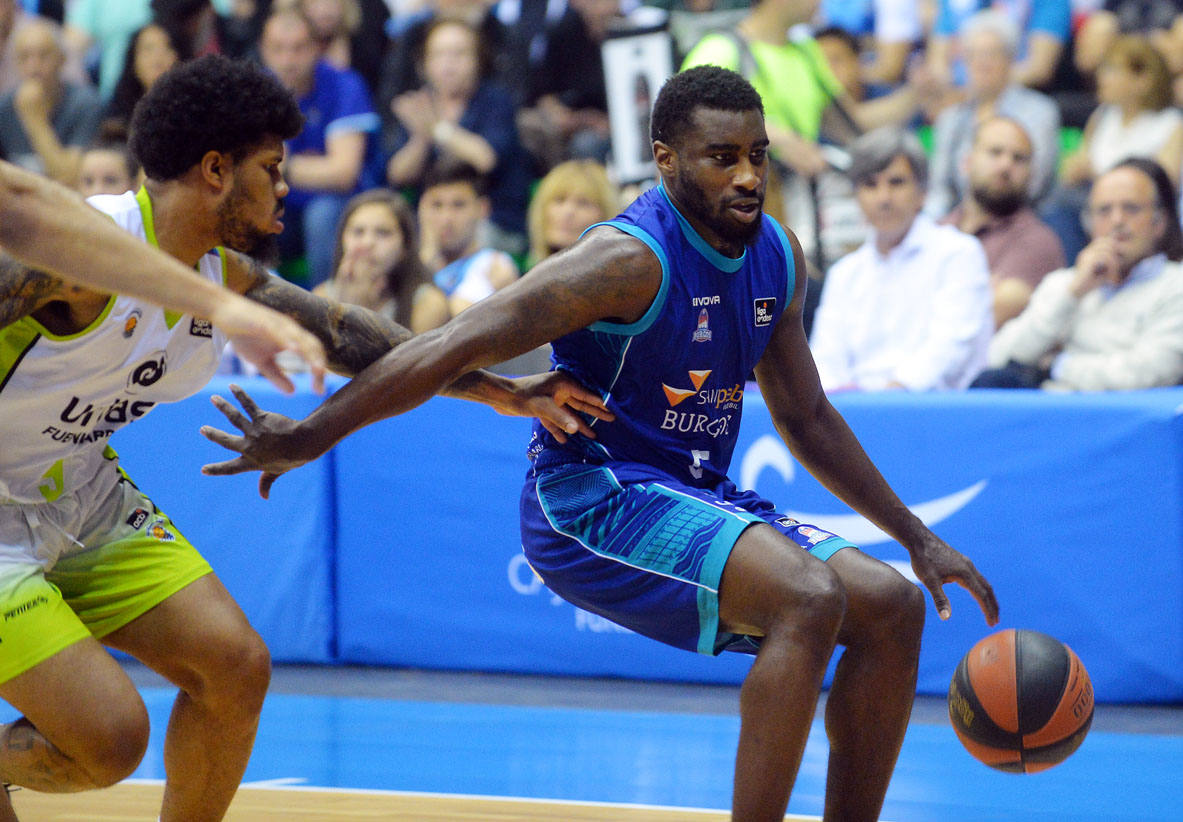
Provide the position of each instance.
(770, 452)
(523, 579)
(526, 582)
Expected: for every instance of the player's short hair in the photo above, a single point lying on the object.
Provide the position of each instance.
(709, 87)
(212, 103)
(875, 151)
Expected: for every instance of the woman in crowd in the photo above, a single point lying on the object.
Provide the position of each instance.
(458, 114)
(572, 196)
(1135, 118)
(152, 51)
(377, 265)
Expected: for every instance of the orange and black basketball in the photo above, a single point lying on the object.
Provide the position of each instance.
(1021, 701)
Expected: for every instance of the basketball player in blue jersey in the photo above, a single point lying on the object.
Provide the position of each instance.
(86, 558)
(665, 311)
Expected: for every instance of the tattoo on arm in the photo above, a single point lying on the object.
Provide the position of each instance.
(352, 336)
(23, 290)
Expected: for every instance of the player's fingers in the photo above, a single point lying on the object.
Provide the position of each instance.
(265, 481)
(983, 592)
(233, 414)
(939, 599)
(221, 469)
(577, 393)
(244, 399)
(597, 410)
(276, 376)
(555, 431)
(234, 442)
(317, 370)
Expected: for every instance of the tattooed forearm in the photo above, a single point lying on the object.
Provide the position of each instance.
(352, 336)
(23, 290)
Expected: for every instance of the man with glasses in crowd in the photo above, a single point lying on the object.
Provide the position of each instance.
(1113, 321)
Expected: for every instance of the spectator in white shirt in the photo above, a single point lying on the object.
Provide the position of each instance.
(1113, 321)
(911, 308)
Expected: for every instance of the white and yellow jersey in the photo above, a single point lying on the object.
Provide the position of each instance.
(61, 397)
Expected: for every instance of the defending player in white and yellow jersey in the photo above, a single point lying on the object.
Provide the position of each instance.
(86, 559)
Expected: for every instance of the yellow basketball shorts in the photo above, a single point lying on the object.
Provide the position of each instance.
(88, 570)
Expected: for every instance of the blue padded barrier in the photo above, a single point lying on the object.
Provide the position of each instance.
(401, 547)
(275, 556)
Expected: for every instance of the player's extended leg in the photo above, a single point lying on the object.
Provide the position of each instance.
(200, 640)
(84, 725)
(772, 588)
(871, 696)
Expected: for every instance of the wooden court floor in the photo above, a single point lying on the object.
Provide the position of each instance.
(139, 802)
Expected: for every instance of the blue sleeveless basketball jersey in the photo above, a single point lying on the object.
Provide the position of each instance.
(675, 378)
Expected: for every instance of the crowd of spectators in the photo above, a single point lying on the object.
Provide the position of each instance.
(949, 165)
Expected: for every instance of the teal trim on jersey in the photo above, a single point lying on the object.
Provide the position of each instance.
(576, 505)
(719, 261)
(655, 308)
(830, 546)
(790, 259)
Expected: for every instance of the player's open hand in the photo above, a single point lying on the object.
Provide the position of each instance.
(259, 333)
(269, 442)
(936, 563)
(558, 401)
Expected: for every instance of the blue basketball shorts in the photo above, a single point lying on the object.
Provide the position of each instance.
(636, 546)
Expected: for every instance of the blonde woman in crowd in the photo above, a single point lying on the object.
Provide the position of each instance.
(572, 196)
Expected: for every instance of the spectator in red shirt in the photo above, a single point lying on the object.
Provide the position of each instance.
(1020, 248)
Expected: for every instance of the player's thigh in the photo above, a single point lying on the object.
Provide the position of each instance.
(197, 633)
(878, 596)
(57, 675)
(82, 701)
(768, 578)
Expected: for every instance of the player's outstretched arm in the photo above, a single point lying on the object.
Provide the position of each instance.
(824, 444)
(355, 337)
(606, 275)
(48, 226)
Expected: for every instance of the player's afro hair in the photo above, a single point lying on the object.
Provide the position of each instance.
(699, 87)
(212, 103)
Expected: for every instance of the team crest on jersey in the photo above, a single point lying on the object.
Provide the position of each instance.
(133, 320)
(201, 328)
(813, 535)
(157, 531)
(763, 309)
(703, 332)
(137, 518)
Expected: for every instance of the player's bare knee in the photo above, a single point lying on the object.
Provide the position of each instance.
(243, 675)
(114, 750)
(902, 609)
(824, 603)
(812, 610)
